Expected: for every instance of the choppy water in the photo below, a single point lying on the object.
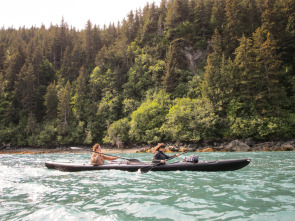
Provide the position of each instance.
(264, 190)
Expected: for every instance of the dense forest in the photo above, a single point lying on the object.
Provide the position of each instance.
(183, 70)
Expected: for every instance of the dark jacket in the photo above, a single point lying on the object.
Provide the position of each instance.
(159, 155)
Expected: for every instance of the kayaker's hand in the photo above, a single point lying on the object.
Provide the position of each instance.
(162, 161)
(177, 155)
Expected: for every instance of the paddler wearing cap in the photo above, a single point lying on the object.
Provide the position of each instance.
(159, 156)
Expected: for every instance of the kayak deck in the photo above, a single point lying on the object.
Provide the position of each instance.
(213, 166)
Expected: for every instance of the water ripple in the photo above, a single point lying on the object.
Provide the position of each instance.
(264, 190)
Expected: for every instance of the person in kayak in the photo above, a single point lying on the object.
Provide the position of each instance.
(159, 156)
(97, 158)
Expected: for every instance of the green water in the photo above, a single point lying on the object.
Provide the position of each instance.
(264, 190)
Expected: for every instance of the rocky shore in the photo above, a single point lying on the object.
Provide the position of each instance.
(230, 146)
(246, 145)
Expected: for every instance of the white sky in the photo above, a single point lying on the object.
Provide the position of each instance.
(76, 13)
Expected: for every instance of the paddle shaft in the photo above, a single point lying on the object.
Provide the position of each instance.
(157, 164)
(134, 160)
(117, 156)
(174, 157)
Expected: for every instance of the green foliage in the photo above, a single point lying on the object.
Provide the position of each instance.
(46, 73)
(78, 134)
(51, 101)
(80, 101)
(48, 135)
(149, 117)
(258, 73)
(242, 127)
(139, 77)
(129, 105)
(109, 107)
(183, 70)
(21, 134)
(8, 134)
(190, 120)
(177, 13)
(102, 81)
(119, 130)
(261, 128)
(64, 109)
(240, 107)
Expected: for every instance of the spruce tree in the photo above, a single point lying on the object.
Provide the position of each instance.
(212, 75)
(218, 79)
(64, 109)
(26, 90)
(51, 101)
(217, 19)
(177, 12)
(270, 93)
(169, 80)
(80, 97)
(245, 63)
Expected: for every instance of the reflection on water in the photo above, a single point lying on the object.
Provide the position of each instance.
(264, 190)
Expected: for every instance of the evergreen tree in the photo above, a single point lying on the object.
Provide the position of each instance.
(202, 13)
(150, 23)
(77, 56)
(217, 19)
(177, 12)
(162, 15)
(51, 101)
(31, 124)
(176, 66)
(268, 16)
(92, 43)
(270, 95)
(245, 62)
(212, 75)
(289, 55)
(169, 79)
(15, 60)
(2, 56)
(139, 77)
(63, 38)
(64, 109)
(26, 90)
(47, 74)
(242, 17)
(260, 71)
(80, 98)
(66, 68)
(2, 84)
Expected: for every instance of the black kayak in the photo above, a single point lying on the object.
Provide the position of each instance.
(213, 166)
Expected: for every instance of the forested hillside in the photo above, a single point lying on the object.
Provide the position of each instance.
(184, 70)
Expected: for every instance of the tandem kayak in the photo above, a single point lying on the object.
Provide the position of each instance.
(213, 166)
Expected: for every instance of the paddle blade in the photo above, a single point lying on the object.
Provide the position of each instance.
(145, 169)
(134, 160)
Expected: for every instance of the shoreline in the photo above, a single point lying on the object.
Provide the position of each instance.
(63, 150)
(247, 145)
(240, 145)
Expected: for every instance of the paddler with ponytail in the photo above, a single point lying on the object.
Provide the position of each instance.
(97, 158)
(159, 156)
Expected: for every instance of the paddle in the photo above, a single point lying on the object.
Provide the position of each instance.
(146, 169)
(129, 159)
